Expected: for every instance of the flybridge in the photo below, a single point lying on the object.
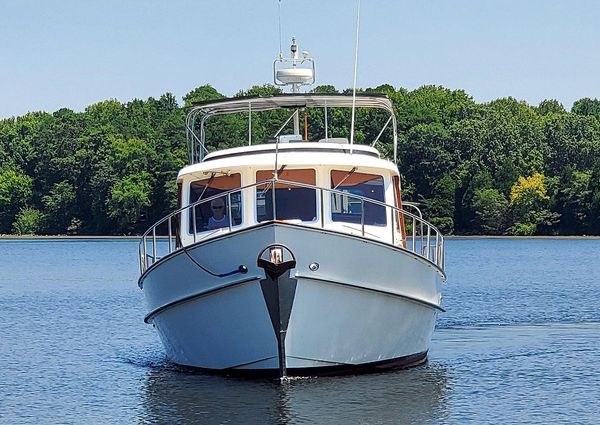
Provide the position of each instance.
(200, 113)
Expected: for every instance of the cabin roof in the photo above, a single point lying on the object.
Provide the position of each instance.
(293, 154)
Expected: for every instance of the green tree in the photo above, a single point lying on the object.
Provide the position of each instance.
(325, 89)
(594, 188)
(60, 207)
(529, 203)
(572, 140)
(424, 158)
(440, 208)
(432, 104)
(550, 106)
(15, 194)
(129, 198)
(573, 201)
(201, 94)
(491, 208)
(587, 106)
(112, 168)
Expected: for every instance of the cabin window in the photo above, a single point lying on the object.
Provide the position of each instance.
(215, 214)
(291, 202)
(347, 206)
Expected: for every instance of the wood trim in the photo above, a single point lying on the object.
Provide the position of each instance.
(399, 205)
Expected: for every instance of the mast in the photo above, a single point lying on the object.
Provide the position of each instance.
(295, 86)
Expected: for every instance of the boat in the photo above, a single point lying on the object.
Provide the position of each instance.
(293, 256)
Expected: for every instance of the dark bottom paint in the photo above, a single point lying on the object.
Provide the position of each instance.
(373, 367)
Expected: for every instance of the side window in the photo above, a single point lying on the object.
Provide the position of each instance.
(347, 206)
(291, 202)
(217, 213)
(179, 194)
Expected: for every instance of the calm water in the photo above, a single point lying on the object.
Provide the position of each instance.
(520, 343)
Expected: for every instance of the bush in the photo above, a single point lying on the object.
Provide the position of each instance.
(523, 229)
(445, 224)
(27, 222)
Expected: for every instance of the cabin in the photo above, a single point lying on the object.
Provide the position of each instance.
(316, 184)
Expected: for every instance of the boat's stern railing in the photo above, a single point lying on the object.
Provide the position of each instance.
(421, 237)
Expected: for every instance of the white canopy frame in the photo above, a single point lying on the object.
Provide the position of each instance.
(202, 112)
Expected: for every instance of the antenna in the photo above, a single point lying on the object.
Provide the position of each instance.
(279, 12)
(355, 72)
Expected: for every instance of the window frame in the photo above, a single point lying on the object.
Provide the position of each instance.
(281, 175)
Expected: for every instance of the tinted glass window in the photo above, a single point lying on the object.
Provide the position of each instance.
(347, 208)
(217, 213)
(291, 202)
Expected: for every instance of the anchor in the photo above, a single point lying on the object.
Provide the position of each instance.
(278, 290)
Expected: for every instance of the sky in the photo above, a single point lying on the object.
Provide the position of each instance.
(73, 53)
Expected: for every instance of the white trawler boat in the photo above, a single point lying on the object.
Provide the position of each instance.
(294, 257)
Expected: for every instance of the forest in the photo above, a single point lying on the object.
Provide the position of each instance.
(498, 168)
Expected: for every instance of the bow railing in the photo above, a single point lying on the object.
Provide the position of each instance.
(179, 229)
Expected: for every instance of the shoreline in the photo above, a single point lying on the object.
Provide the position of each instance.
(116, 237)
(66, 237)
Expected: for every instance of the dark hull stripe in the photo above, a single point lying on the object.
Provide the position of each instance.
(344, 369)
(201, 294)
(391, 294)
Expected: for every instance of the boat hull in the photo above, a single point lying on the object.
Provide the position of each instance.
(365, 305)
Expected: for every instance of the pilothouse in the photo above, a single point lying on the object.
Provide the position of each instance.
(293, 255)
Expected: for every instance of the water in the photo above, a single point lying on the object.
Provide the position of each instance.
(519, 344)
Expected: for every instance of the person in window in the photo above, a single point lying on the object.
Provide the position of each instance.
(218, 219)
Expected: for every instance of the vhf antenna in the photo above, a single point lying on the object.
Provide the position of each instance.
(279, 11)
(355, 72)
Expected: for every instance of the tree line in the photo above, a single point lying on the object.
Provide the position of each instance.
(502, 167)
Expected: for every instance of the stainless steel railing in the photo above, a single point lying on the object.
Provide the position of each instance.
(419, 236)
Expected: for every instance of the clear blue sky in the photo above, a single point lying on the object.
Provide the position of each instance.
(72, 53)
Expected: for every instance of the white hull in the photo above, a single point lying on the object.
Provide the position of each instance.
(355, 310)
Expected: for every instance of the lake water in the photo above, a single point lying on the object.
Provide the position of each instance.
(520, 343)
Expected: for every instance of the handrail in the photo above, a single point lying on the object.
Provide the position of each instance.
(425, 239)
(413, 205)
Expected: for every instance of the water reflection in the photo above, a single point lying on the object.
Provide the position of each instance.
(417, 395)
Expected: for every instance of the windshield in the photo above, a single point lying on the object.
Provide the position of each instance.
(292, 202)
(217, 213)
(347, 208)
